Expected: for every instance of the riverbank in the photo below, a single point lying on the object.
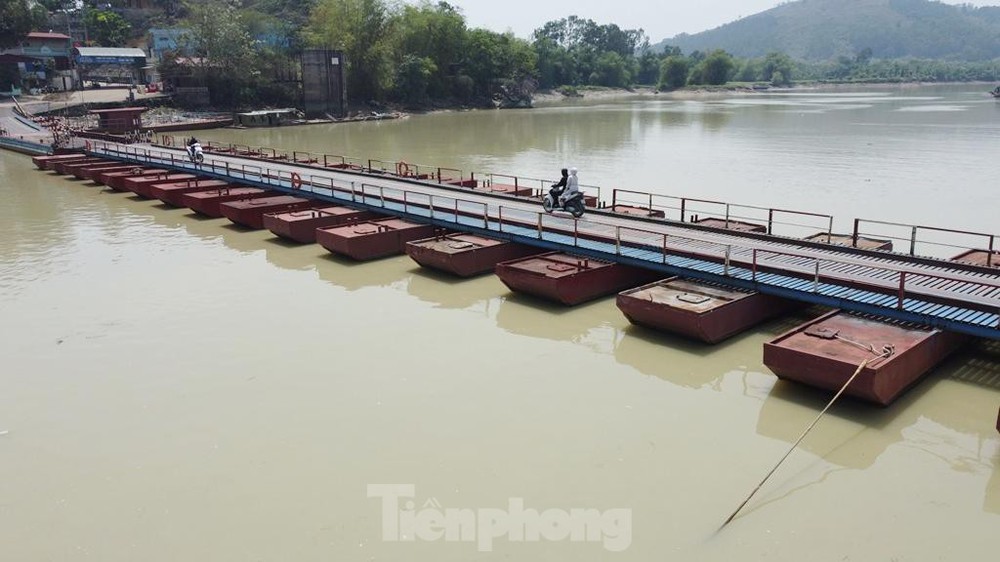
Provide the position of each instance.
(590, 93)
(163, 117)
(544, 97)
(692, 92)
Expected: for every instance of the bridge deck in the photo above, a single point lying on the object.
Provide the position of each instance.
(937, 293)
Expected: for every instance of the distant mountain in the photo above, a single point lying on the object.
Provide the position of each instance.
(825, 29)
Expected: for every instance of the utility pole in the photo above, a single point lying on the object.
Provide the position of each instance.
(69, 32)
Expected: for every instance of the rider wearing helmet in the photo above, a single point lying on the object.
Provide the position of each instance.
(572, 187)
(560, 186)
(192, 146)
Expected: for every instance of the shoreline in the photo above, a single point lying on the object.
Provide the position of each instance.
(701, 92)
(169, 118)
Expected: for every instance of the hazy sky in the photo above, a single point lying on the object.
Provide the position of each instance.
(660, 18)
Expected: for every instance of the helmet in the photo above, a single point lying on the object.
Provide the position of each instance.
(572, 171)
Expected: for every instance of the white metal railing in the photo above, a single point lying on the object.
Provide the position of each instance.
(772, 220)
(914, 239)
(642, 244)
(780, 222)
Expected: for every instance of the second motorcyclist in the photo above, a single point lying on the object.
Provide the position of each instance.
(560, 186)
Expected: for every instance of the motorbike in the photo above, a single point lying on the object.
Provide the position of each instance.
(574, 204)
(195, 153)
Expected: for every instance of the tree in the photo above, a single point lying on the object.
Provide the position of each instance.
(362, 29)
(435, 32)
(107, 29)
(648, 68)
(556, 65)
(864, 57)
(673, 72)
(17, 19)
(413, 75)
(777, 69)
(610, 70)
(574, 49)
(498, 62)
(715, 68)
(227, 51)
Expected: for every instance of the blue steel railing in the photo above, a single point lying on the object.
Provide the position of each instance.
(788, 223)
(402, 169)
(893, 292)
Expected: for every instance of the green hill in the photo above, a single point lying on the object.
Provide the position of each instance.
(825, 29)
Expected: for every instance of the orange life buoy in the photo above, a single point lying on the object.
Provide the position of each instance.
(402, 169)
(296, 181)
(87, 145)
(167, 140)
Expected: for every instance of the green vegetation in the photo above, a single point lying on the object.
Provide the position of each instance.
(419, 54)
(425, 55)
(846, 69)
(17, 19)
(416, 55)
(574, 51)
(106, 28)
(228, 64)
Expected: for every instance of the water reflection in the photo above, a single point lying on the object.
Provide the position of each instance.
(353, 275)
(678, 360)
(400, 271)
(942, 417)
(852, 435)
(46, 219)
(126, 214)
(991, 503)
(496, 134)
(587, 324)
(29, 214)
(446, 291)
(980, 365)
(292, 256)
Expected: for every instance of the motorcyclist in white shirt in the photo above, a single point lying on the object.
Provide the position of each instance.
(572, 187)
(193, 148)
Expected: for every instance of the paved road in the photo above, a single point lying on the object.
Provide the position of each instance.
(39, 104)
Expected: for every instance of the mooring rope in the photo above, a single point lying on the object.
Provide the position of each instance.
(887, 351)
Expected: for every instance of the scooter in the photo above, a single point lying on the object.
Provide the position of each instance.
(195, 153)
(574, 204)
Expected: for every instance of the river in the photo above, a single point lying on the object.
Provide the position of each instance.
(175, 388)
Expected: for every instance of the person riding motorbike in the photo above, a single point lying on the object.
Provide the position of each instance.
(565, 195)
(193, 147)
(572, 188)
(560, 186)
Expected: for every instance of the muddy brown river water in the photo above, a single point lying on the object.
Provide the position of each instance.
(176, 388)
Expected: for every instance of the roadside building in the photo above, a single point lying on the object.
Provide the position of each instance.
(119, 120)
(41, 60)
(110, 65)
